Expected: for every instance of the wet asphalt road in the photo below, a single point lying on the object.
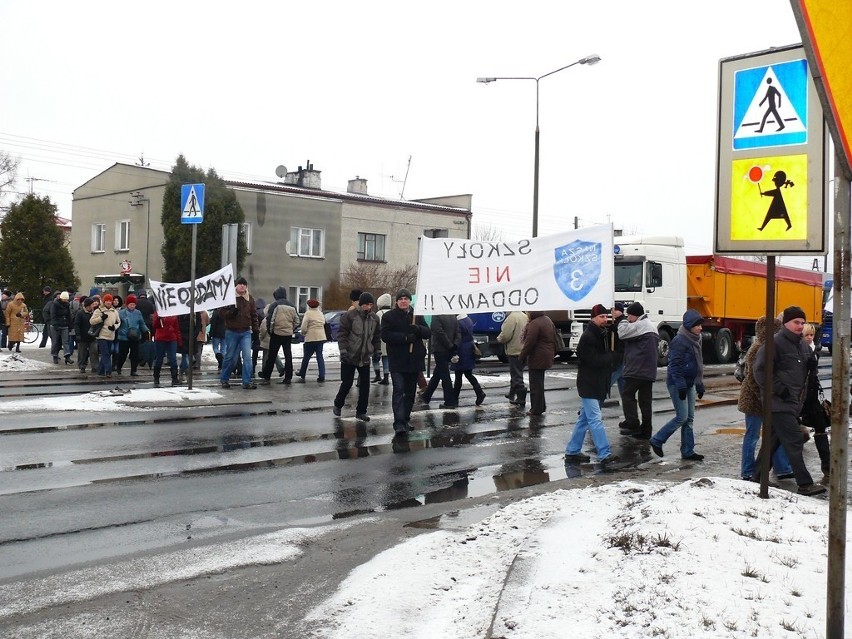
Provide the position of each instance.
(80, 488)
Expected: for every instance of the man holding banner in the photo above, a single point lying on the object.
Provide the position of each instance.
(240, 323)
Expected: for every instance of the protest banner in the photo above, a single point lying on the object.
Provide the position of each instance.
(213, 291)
(564, 271)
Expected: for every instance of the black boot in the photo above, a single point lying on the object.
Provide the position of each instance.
(157, 377)
(520, 398)
(67, 359)
(377, 378)
(219, 359)
(174, 372)
(384, 381)
(821, 443)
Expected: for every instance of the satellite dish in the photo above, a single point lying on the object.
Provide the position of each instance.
(281, 171)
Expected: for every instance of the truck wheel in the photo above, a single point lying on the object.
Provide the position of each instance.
(663, 348)
(723, 346)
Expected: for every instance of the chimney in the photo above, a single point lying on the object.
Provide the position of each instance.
(305, 177)
(358, 186)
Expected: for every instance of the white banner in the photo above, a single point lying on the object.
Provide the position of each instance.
(565, 271)
(212, 291)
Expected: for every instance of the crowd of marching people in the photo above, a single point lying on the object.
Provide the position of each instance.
(617, 350)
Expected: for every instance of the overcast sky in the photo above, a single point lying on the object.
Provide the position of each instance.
(357, 88)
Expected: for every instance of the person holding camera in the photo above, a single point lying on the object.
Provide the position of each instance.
(107, 318)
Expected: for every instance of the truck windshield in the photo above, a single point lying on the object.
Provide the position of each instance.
(628, 277)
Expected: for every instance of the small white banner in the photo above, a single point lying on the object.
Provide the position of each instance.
(565, 271)
(212, 291)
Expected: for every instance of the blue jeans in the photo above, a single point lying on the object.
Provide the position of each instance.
(218, 345)
(165, 350)
(589, 419)
(308, 350)
(236, 343)
(779, 459)
(105, 351)
(683, 419)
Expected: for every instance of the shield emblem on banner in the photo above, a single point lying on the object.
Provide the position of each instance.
(577, 268)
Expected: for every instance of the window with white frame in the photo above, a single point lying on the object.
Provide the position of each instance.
(436, 233)
(300, 295)
(245, 229)
(371, 247)
(122, 235)
(306, 242)
(98, 238)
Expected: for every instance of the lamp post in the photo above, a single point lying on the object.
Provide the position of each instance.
(589, 59)
(137, 200)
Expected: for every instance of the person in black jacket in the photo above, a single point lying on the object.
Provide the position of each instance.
(87, 345)
(444, 343)
(60, 325)
(403, 333)
(789, 379)
(146, 348)
(46, 301)
(593, 375)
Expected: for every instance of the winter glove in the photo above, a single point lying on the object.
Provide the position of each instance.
(700, 390)
(18, 315)
(681, 393)
(104, 317)
(410, 339)
(112, 328)
(812, 364)
(454, 359)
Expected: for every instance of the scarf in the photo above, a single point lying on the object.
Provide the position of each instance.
(695, 340)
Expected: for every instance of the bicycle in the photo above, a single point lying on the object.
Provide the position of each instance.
(31, 331)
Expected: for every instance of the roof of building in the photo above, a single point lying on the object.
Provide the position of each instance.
(361, 198)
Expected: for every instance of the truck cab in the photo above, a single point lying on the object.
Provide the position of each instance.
(650, 270)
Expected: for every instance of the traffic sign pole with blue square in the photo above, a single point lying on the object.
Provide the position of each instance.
(191, 203)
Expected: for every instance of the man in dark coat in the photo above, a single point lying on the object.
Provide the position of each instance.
(403, 333)
(60, 325)
(445, 343)
(593, 375)
(146, 348)
(358, 337)
(789, 377)
(46, 302)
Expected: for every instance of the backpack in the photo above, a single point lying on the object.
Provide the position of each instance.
(739, 369)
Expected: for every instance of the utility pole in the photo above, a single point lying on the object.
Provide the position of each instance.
(35, 179)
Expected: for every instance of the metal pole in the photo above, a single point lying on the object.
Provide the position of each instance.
(147, 240)
(769, 356)
(191, 346)
(535, 167)
(836, 569)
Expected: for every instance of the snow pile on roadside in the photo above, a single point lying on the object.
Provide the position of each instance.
(627, 560)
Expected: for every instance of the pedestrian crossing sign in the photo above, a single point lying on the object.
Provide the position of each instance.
(191, 203)
(771, 105)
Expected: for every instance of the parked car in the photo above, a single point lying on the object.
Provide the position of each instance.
(332, 318)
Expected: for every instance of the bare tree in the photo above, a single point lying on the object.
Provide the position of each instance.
(488, 233)
(8, 171)
(373, 277)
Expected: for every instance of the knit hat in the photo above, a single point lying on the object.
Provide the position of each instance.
(599, 309)
(280, 293)
(618, 306)
(142, 292)
(64, 296)
(791, 313)
(131, 299)
(312, 303)
(107, 298)
(241, 280)
(355, 294)
(365, 298)
(635, 309)
(46, 289)
(691, 319)
(86, 301)
(403, 292)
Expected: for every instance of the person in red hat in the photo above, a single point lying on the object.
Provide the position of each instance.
(107, 318)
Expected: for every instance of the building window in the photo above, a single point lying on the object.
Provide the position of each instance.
(436, 233)
(371, 247)
(306, 242)
(122, 235)
(98, 238)
(300, 295)
(245, 229)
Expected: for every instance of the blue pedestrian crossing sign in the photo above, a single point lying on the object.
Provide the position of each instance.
(771, 105)
(191, 203)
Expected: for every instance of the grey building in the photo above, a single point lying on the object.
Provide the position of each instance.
(297, 234)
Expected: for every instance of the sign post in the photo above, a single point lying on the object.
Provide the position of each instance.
(192, 212)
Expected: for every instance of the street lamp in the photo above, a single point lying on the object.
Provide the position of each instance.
(589, 59)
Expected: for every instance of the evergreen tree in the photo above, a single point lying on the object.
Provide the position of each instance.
(33, 253)
(220, 207)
